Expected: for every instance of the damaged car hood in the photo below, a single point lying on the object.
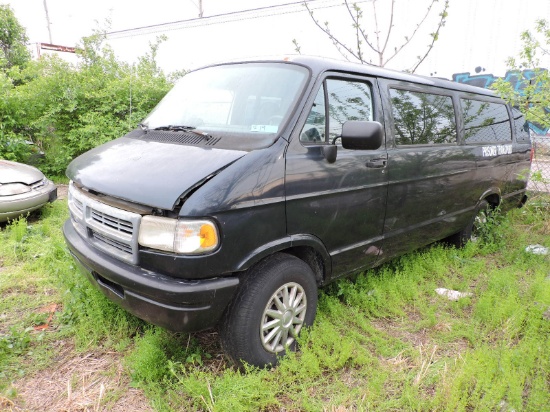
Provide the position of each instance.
(147, 172)
(12, 172)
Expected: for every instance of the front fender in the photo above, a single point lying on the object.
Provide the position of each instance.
(284, 244)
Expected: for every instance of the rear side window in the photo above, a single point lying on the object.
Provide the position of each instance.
(422, 118)
(485, 122)
(521, 127)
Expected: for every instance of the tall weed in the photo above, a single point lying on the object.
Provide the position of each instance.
(385, 341)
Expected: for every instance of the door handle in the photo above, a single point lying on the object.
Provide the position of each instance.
(377, 163)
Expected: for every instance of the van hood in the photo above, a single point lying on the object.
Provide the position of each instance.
(147, 172)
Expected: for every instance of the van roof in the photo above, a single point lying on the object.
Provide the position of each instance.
(319, 65)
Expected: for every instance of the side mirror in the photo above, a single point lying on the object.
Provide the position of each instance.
(329, 152)
(361, 135)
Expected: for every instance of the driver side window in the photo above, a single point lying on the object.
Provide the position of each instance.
(347, 100)
(314, 130)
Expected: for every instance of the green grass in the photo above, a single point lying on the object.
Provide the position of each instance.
(384, 341)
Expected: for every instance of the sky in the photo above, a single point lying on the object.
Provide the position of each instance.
(477, 33)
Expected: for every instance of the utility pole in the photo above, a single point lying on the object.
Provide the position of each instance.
(48, 21)
(200, 8)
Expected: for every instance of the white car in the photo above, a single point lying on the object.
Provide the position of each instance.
(23, 188)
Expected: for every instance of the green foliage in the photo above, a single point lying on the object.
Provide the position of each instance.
(158, 352)
(384, 341)
(18, 230)
(13, 39)
(533, 98)
(233, 391)
(16, 342)
(67, 109)
(12, 146)
(486, 229)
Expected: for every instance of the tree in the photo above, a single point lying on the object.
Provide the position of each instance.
(13, 40)
(67, 109)
(369, 39)
(532, 96)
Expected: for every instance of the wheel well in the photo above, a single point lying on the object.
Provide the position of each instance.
(313, 259)
(493, 200)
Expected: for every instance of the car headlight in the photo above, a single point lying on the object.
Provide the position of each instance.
(11, 189)
(178, 236)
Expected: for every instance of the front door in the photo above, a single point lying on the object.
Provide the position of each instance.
(341, 203)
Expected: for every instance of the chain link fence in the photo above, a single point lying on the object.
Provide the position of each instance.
(540, 167)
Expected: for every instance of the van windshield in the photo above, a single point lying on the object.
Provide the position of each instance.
(239, 99)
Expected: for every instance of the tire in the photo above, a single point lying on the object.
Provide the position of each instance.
(254, 326)
(470, 232)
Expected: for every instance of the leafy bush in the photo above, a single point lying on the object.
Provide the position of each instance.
(13, 148)
(66, 109)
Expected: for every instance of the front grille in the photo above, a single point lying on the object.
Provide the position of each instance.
(112, 230)
(112, 242)
(78, 204)
(119, 225)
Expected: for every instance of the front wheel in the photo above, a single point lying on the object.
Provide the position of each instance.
(277, 299)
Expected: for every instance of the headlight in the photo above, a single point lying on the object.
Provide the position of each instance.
(178, 236)
(13, 189)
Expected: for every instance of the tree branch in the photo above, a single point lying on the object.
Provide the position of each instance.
(409, 38)
(356, 23)
(358, 14)
(337, 43)
(377, 33)
(435, 36)
(358, 51)
(391, 26)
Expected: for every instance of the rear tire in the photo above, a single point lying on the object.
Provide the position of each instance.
(276, 300)
(471, 231)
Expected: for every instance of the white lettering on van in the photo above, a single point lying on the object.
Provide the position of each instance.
(503, 149)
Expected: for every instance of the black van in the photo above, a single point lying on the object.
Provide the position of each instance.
(254, 183)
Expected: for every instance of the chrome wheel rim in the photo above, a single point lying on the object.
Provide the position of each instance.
(479, 221)
(283, 317)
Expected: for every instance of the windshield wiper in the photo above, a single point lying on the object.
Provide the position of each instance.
(192, 129)
(175, 128)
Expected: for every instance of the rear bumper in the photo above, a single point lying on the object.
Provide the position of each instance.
(173, 303)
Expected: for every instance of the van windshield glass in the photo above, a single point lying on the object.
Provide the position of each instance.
(245, 99)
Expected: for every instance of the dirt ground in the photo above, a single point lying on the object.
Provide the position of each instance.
(78, 383)
(62, 191)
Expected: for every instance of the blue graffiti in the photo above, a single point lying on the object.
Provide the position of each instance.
(516, 78)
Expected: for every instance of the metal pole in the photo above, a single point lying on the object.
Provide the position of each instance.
(48, 21)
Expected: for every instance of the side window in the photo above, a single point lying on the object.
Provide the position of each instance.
(521, 126)
(347, 100)
(422, 118)
(315, 128)
(485, 122)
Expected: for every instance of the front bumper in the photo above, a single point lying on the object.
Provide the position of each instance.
(173, 303)
(14, 206)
